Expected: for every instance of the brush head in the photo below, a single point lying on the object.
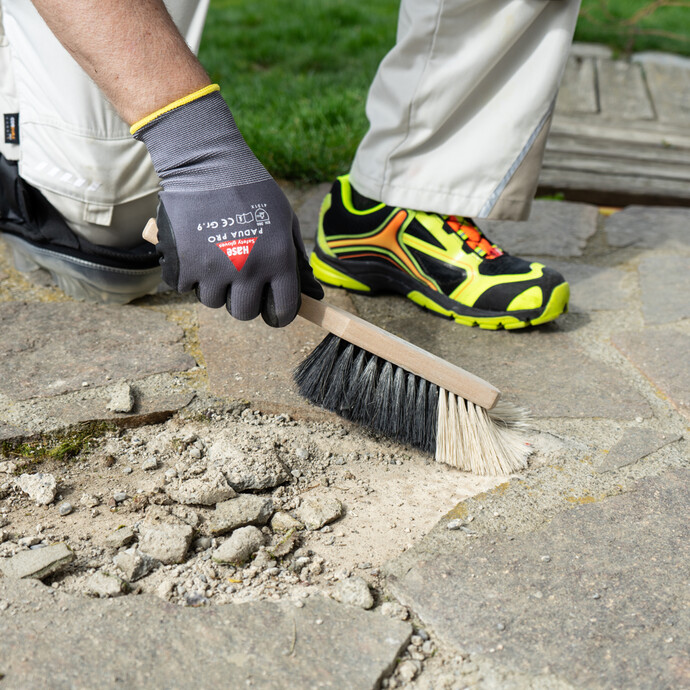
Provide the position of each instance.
(385, 398)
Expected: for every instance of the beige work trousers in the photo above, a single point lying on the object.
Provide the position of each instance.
(459, 111)
(73, 146)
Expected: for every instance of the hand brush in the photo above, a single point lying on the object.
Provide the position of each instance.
(382, 382)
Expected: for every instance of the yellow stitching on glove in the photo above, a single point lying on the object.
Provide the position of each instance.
(175, 104)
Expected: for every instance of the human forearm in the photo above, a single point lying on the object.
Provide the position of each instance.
(130, 48)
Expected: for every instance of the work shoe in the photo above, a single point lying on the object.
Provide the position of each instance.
(40, 238)
(442, 263)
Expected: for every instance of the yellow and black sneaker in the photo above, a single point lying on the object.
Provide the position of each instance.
(443, 263)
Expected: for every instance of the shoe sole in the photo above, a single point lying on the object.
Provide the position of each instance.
(84, 280)
(380, 280)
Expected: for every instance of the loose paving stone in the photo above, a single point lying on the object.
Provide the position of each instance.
(317, 511)
(663, 356)
(241, 544)
(40, 487)
(554, 228)
(102, 584)
(541, 369)
(284, 522)
(635, 444)
(167, 541)
(134, 564)
(143, 642)
(593, 288)
(246, 471)
(664, 287)
(606, 610)
(251, 361)
(207, 490)
(649, 227)
(353, 591)
(121, 398)
(87, 343)
(37, 563)
(246, 509)
(120, 537)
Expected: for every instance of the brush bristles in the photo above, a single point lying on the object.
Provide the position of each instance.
(373, 392)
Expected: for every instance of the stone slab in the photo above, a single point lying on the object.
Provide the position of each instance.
(595, 599)
(542, 369)
(663, 356)
(665, 288)
(635, 444)
(593, 288)
(7, 432)
(650, 227)
(554, 228)
(37, 563)
(143, 642)
(248, 360)
(50, 348)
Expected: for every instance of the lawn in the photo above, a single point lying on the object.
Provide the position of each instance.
(296, 73)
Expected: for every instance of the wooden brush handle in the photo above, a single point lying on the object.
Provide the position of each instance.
(387, 346)
(398, 351)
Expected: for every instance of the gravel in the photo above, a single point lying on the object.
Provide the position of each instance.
(354, 591)
(121, 398)
(103, 585)
(317, 511)
(208, 490)
(65, 508)
(240, 546)
(245, 509)
(134, 564)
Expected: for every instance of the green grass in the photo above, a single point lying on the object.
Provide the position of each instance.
(296, 74)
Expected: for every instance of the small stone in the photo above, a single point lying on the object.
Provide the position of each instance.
(65, 508)
(241, 544)
(127, 470)
(454, 524)
(302, 454)
(89, 501)
(546, 559)
(203, 543)
(394, 610)
(284, 522)
(7, 467)
(134, 564)
(195, 453)
(38, 563)
(40, 487)
(165, 589)
(120, 537)
(407, 671)
(285, 546)
(149, 464)
(119, 496)
(500, 627)
(354, 591)
(103, 585)
(296, 473)
(316, 511)
(212, 488)
(121, 398)
(109, 460)
(245, 509)
(166, 542)
(171, 473)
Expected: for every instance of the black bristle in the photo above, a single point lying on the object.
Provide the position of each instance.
(418, 421)
(364, 403)
(370, 391)
(339, 379)
(381, 420)
(431, 418)
(397, 406)
(312, 375)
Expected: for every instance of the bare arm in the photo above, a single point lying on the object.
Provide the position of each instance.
(130, 48)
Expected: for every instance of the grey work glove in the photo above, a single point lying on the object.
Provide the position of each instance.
(225, 229)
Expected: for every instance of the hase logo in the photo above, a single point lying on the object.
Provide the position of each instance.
(237, 250)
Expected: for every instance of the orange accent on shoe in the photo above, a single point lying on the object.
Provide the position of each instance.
(386, 239)
(475, 238)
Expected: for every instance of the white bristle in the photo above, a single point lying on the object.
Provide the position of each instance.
(480, 441)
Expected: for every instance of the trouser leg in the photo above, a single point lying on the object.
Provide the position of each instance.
(72, 144)
(460, 108)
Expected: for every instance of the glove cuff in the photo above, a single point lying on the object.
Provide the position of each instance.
(171, 106)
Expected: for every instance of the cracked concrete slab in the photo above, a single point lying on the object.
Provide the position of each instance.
(594, 598)
(635, 444)
(55, 640)
(664, 288)
(51, 348)
(649, 227)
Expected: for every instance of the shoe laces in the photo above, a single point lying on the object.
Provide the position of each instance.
(473, 237)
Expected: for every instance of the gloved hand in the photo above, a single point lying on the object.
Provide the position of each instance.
(224, 226)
